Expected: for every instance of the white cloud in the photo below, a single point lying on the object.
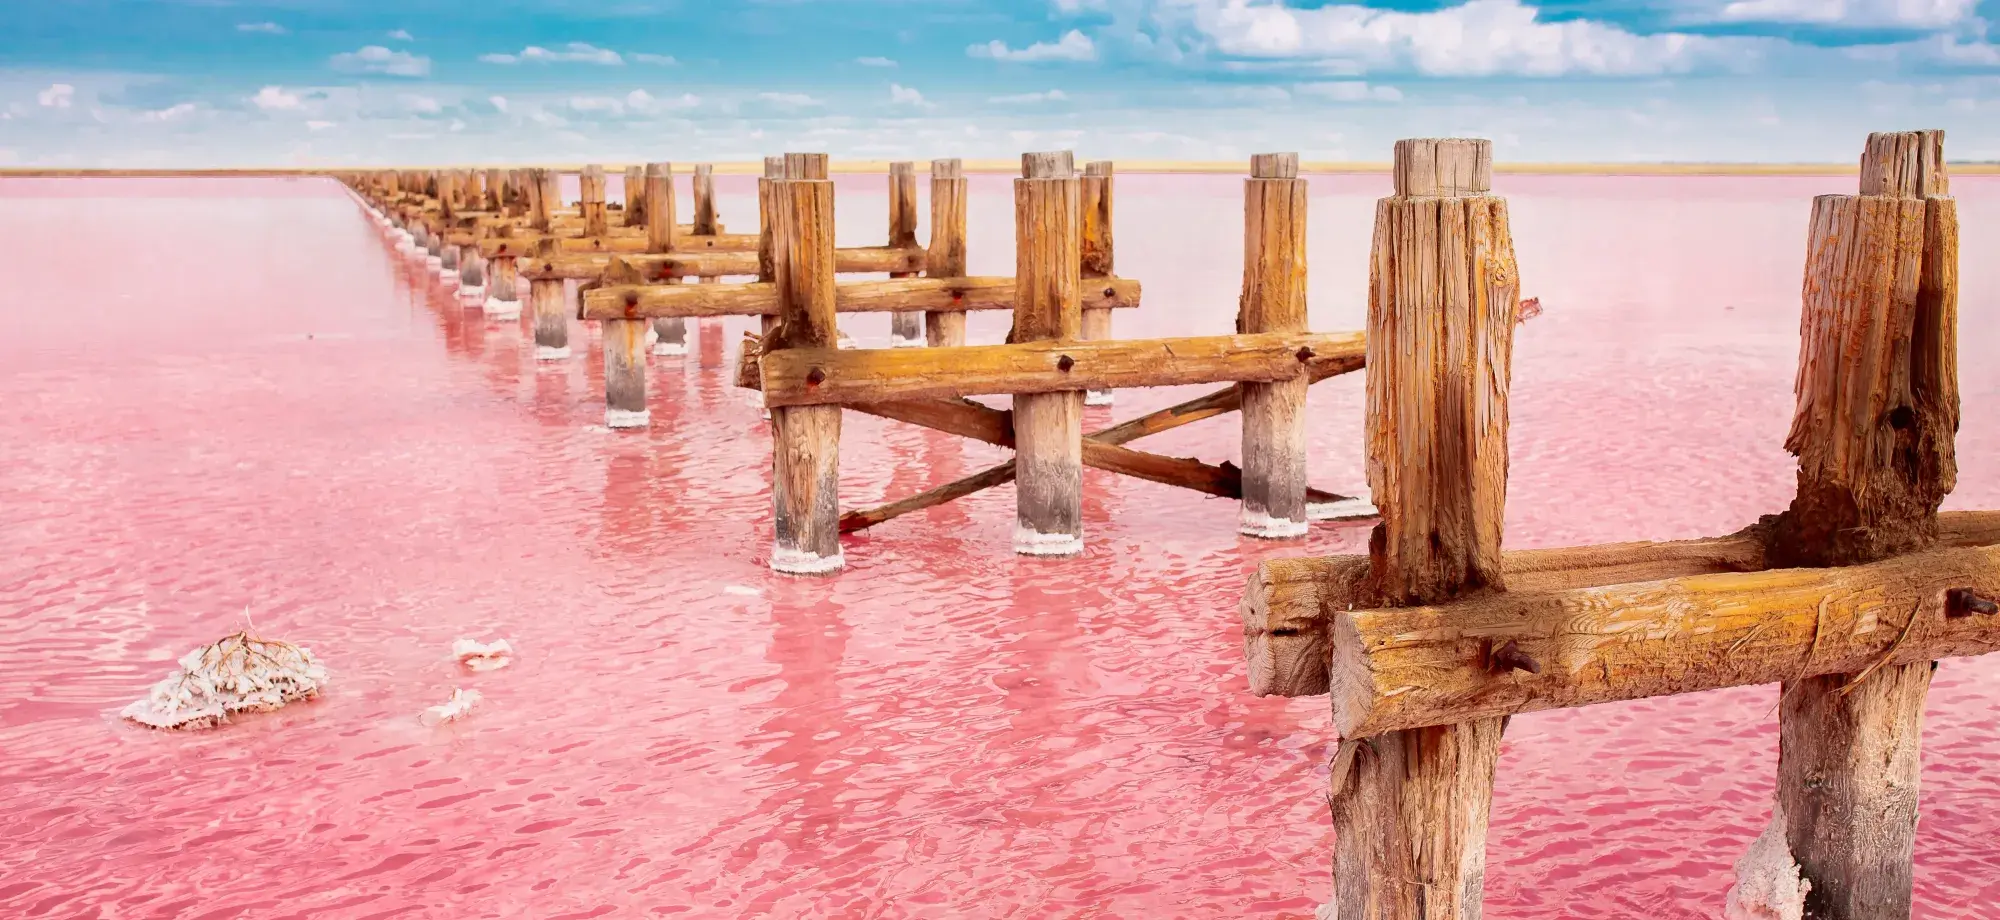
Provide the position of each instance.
(318, 125)
(169, 113)
(574, 52)
(377, 59)
(874, 62)
(57, 96)
(788, 100)
(422, 105)
(276, 99)
(1935, 50)
(639, 100)
(1054, 95)
(268, 28)
(1073, 7)
(1476, 38)
(604, 104)
(1911, 14)
(903, 95)
(664, 60)
(499, 102)
(1350, 91)
(1073, 46)
(401, 35)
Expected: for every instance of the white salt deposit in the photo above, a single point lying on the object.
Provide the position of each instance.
(503, 309)
(1097, 397)
(897, 341)
(1031, 542)
(627, 418)
(670, 349)
(545, 353)
(801, 562)
(1346, 510)
(240, 673)
(482, 656)
(1768, 886)
(1261, 524)
(452, 710)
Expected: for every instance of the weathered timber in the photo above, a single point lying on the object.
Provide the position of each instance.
(1877, 416)
(545, 297)
(670, 331)
(909, 294)
(1048, 424)
(704, 199)
(621, 241)
(1410, 809)
(946, 257)
(1097, 258)
(905, 328)
(683, 264)
(540, 202)
(861, 520)
(854, 376)
(805, 439)
(625, 374)
(961, 417)
(635, 196)
(1221, 402)
(1274, 300)
(596, 219)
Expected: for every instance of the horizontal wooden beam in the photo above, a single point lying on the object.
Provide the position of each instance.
(622, 243)
(1289, 604)
(681, 264)
(961, 417)
(802, 377)
(1418, 666)
(760, 298)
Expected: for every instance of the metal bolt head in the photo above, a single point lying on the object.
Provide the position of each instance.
(1064, 363)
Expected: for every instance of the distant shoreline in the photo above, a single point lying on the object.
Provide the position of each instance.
(1123, 166)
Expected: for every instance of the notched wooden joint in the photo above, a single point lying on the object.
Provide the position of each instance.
(1964, 602)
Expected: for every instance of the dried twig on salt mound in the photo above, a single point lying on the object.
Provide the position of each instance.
(240, 673)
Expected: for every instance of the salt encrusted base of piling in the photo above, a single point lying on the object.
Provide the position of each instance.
(800, 562)
(1768, 886)
(1263, 526)
(503, 309)
(1031, 542)
(472, 295)
(239, 673)
(670, 349)
(1346, 510)
(1098, 397)
(627, 418)
(545, 353)
(896, 341)
(434, 263)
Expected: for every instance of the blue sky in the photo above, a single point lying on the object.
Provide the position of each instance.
(328, 82)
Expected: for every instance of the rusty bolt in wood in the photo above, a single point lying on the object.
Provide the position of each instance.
(1064, 363)
(1305, 353)
(1509, 657)
(815, 376)
(1964, 602)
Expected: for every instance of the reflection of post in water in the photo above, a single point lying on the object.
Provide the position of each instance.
(632, 517)
(1043, 649)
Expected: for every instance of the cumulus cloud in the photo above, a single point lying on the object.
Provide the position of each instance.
(267, 28)
(874, 62)
(1054, 95)
(498, 102)
(401, 35)
(1476, 38)
(903, 95)
(318, 125)
(788, 100)
(420, 104)
(1073, 46)
(663, 60)
(1350, 91)
(574, 52)
(170, 113)
(1911, 14)
(377, 59)
(57, 96)
(276, 99)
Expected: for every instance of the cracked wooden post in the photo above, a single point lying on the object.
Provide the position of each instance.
(590, 202)
(540, 202)
(658, 204)
(1097, 256)
(906, 330)
(1874, 432)
(635, 196)
(946, 257)
(1410, 807)
(1274, 300)
(805, 468)
(1048, 427)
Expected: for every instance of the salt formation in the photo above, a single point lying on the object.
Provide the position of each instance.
(1768, 886)
(240, 673)
(454, 709)
(482, 656)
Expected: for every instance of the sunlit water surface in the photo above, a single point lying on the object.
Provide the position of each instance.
(220, 397)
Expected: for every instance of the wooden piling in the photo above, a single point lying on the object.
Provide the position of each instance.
(545, 296)
(905, 329)
(704, 200)
(1410, 808)
(540, 202)
(596, 218)
(806, 439)
(1274, 300)
(635, 196)
(946, 257)
(496, 190)
(1048, 427)
(1097, 257)
(660, 213)
(1874, 431)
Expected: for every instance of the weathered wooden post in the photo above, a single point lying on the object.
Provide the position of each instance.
(906, 330)
(635, 196)
(704, 200)
(540, 201)
(1410, 807)
(1097, 257)
(767, 231)
(658, 203)
(1874, 432)
(946, 257)
(625, 373)
(475, 189)
(1048, 427)
(496, 190)
(591, 202)
(545, 298)
(1274, 300)
(805, 468)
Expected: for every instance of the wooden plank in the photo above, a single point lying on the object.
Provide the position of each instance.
(683, 264)
(812, 377)
(761, 298)
(961, 417)
(1274, 300)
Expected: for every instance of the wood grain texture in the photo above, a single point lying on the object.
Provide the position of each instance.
(660, 211)
(551, 320)
(684, 264)
(905, 326)
(761, 298)
(1048, 424)
(704, 199)
(635, 196)
(806, 439)
(946, 257)
(1274, 300)
(624, 368)
(1098, 255)
(865, 375)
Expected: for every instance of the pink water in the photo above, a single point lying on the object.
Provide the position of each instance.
(220, 395)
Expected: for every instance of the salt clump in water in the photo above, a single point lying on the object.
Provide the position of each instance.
(482, 656)
(1768, 886)
(240, 673)
(454, 709)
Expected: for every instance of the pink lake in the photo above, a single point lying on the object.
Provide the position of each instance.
(230, 395)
